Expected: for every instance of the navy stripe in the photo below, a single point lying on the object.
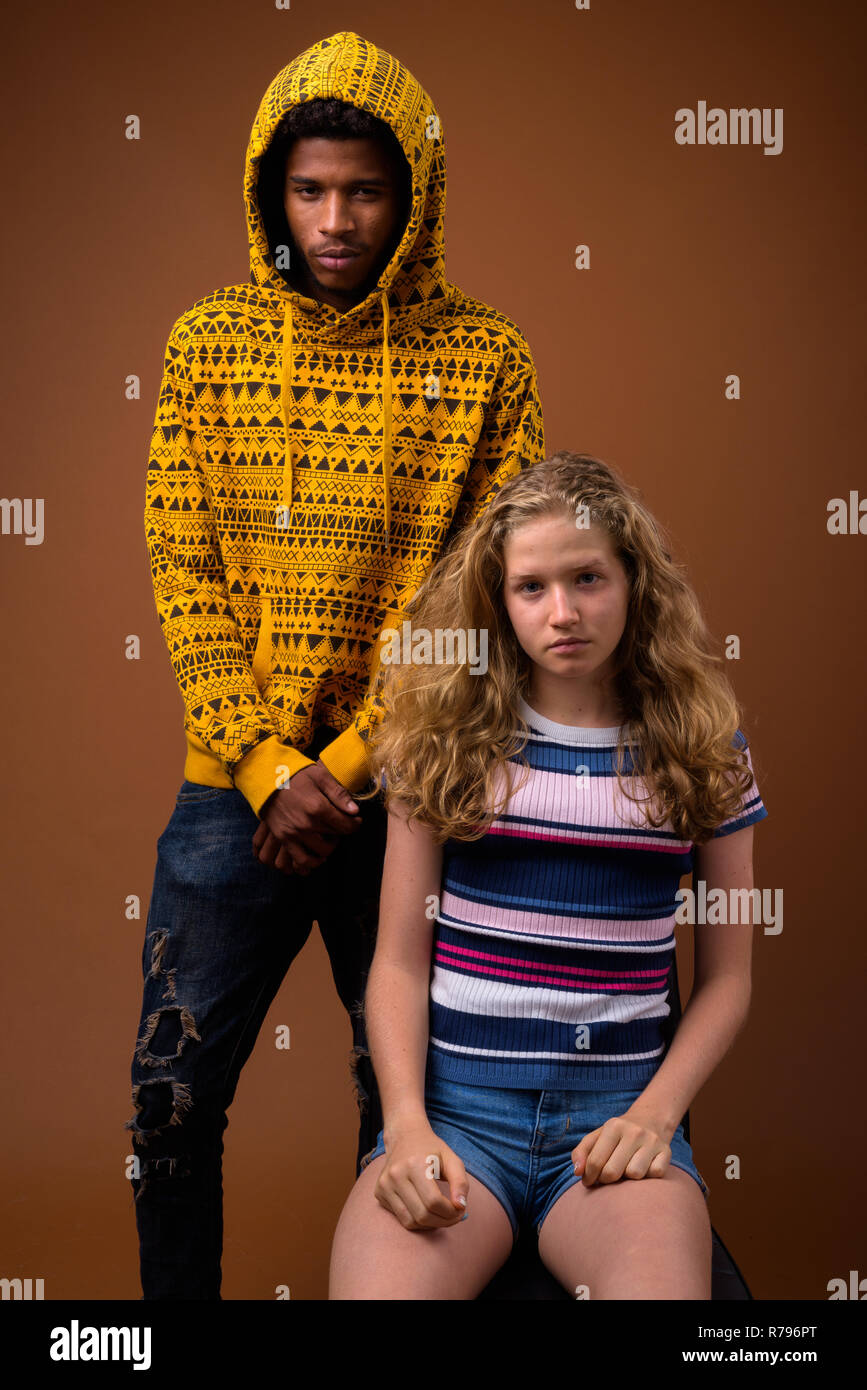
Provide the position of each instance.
(498, 1034)
(545, 756)
(751, 819)
(571, 889)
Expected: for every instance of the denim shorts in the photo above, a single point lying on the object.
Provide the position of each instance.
(519, 1144)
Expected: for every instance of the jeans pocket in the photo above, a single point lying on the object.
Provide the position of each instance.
(196, 791)
(561, 1135)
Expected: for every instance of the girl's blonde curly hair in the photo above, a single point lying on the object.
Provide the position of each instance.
(448, 739)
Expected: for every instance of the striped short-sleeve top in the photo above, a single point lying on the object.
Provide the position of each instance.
(555, 930)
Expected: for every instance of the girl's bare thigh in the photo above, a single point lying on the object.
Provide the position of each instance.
(374, 1257)
(638, 1238)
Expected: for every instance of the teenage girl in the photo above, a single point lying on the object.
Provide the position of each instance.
(541, 814)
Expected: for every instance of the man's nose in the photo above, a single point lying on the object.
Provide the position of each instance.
(336, 218)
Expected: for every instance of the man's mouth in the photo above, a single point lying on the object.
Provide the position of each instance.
(335, 260)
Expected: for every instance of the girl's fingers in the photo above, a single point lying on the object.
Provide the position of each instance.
(648, 1160)
(437, 1199)
(455, 1174)
(659, 1164)
(580, 1152)
(411, 1199)
(634, 1161)
(390, 1200)
(423, 1209)
(620, 1158)
(597, 1153)
(425, 1199)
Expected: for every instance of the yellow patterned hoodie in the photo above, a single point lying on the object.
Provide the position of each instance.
(307, 465)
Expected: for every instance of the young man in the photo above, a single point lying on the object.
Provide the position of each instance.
(321, 433)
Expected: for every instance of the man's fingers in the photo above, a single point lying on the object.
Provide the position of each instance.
(338, 795)
(284, 861)
(326, 802)
(290, 858)
(269, 849)
(310, 845)
(304, 819)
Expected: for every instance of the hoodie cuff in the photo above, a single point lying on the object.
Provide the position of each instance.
(256, 774)
(346, 759)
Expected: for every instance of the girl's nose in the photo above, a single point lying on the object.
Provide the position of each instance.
(562, 607)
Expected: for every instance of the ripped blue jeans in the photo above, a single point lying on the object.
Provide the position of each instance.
(222, 931)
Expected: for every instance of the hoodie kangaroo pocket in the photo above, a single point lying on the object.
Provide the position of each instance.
(262, 654)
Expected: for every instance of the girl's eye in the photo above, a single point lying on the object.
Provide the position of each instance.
(588, 574)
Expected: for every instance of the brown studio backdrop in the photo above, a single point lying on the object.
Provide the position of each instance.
(704, 261)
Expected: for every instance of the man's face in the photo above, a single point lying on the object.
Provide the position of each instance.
(341, 195)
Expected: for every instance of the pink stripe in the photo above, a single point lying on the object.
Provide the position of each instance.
(547, 795)
(530, 922)
(529, 975)
(568, 969)
(637, 843)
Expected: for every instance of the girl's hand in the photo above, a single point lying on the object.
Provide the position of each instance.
(408, 1185)
(622, 1147)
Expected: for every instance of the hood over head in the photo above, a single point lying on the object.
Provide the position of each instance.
(354, 70)
(351, 69)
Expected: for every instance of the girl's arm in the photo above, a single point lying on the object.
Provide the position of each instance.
(398, 986)
(720, 999)
(397, 1002)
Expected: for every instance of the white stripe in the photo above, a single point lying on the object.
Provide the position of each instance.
(553, 1056)
(498, 999)
(520, 828)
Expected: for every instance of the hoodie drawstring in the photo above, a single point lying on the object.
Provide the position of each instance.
(284, 407)
(386, 414)
(386, 419)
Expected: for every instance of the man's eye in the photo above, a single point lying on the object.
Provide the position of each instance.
(367, 192)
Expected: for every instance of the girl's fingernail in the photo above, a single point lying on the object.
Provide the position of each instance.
(462, 1199)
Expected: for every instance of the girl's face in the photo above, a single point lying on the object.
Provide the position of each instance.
(567, 593)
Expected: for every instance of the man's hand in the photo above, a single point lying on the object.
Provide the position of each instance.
(301, 822)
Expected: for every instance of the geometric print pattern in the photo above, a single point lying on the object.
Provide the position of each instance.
(302, 476)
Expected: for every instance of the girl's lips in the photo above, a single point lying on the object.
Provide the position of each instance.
(570, 645)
